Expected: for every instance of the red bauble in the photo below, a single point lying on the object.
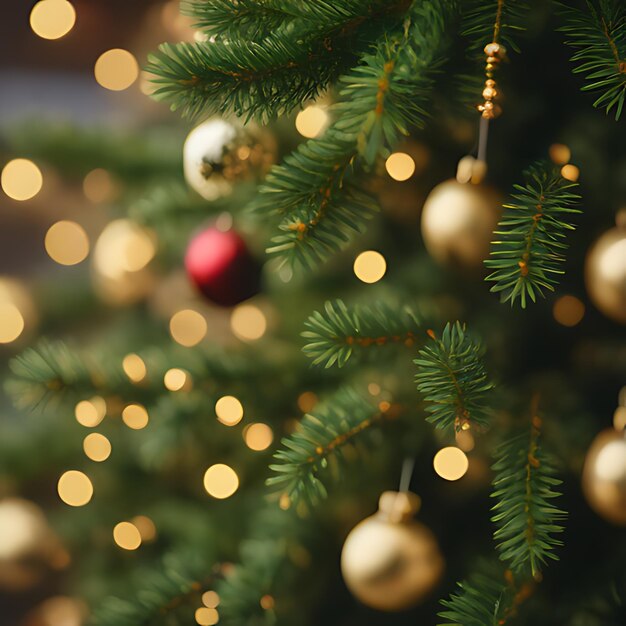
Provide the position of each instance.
(220, 265)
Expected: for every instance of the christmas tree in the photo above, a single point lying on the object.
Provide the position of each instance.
(369, 376)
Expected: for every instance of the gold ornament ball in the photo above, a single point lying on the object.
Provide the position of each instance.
(219, 153)
(604, 476)
(458, 220)
(605, 274)
(389, 561)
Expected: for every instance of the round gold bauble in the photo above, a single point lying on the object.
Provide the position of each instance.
(605, 274)
(219, 153)
(458, 220)
(389, 561)
(604, 476)
(28, 546)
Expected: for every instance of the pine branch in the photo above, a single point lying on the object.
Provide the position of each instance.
(452, 377)
(320, 439)
(487, 21)
(529, 254)
(318, 190)
(525, 517)
(483, 600)
(340, 333)
(174, 587)
(271, 75)
(599, 36)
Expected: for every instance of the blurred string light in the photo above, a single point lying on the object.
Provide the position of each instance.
(97, 447)
(188, 327)
(211, 599)
(267, 602)
(21, 179)
(465, 440)
(451, 463)
(11, 322)
(116, 69)
(135, 416)
(370, 266)
(570, 172)
(312, 121)
(307, 401)
(374, 389)
(229, 410)
(560, 153)
(98, 186)
(127, 536)
(258, 436)
(248, 322)
(400, 166)
(176, 379)
(17, 310)
(206, 616)
(90, 412)
(568, 311)
(145, 526)
(75, 488)
(134, 367)
(59, 611)
(52, 19)
(67, 243)
(221, 481)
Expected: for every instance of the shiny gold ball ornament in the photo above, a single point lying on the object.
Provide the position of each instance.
(458, 220)
(605, 273)
(604, 476)
(219, 153)
(389, 561)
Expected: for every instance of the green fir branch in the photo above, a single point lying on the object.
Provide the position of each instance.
(487, 21)
(599, 36)
(321, 438)
(483, 600)
(524, 488)
(528, 256)
(341, 333)
(318, 190)
(453, 380)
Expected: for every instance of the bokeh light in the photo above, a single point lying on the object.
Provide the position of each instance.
(568, 311)
(267, 602)
(91, 412)
(145, 526)
(51, 19)
(370, 266)
(221, 481)
(11, 322)
(67, 243)
(97, 447)
(258, 436)
(560, 153)
(21, 179)
(116, 69)
(188, 327)
(451, 463)
(206, 616)
(570, 172)
(135, 416)
(134, 367)
(248, 322)
(400, 166)
(211, 599)
(75, 488)
(98, 186)
(307, 401)
(229, 410)
(312, 121)
(465, 440)
(176, 379)
(127, 536)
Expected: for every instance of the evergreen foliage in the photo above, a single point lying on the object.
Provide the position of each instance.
(524, 488)
(319, 440)
(528, 255)
(453, 380)
(341, 332)
(496, 21)
(599, 36)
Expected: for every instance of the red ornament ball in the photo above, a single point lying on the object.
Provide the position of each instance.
(221, 266)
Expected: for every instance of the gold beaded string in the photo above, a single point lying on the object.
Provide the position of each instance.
(494, 53)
